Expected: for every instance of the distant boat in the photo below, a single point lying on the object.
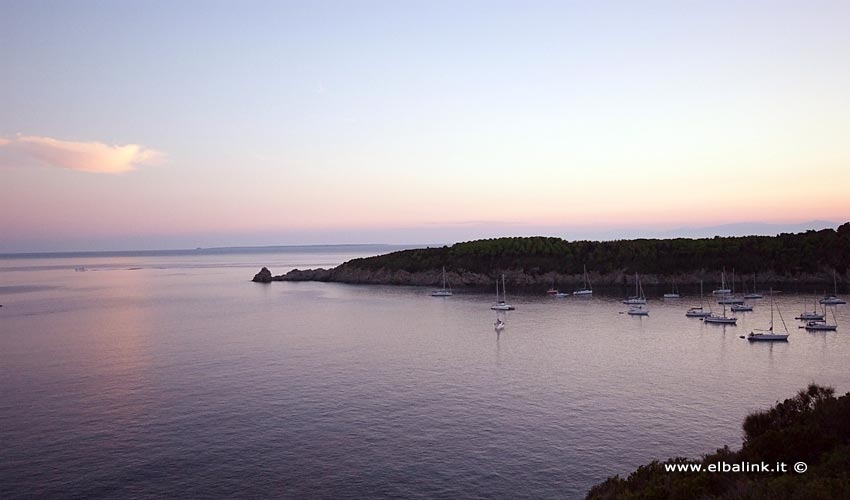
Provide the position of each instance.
(741, 308)
(810, 316)
(586, 289)
(822, 325)
(561, 295)
(769, 335)
(638, 311)
(754, 294)
(638, 298)
(501, 305)
(674, 293)
(445, 291)
(720, 320)
(722, 290)
(553, 290)
(698, 312)
(833, 299)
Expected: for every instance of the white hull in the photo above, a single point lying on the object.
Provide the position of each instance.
(831, 301)
(561, 295)
(720, 320)
(634, 301)
(741, 308)
(753, 296)
(502, 307)
(812, 316)
(441, 293)
(672, 296)
(583, 292)
(697, 314)
(722, 291)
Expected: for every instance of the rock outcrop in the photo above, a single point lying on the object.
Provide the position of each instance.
(264, 276)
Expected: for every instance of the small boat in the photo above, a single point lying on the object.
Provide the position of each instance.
(722, 290)
(561, 295)
(553, 290)
(445, 291)
(810, 315)
(820, 326)
(698, 312)
(638, 298)
(586, 289)
(833, 299)
(637, 311)
(501, 305)
(720, 320)
(499, 325)
(741, 308)
(729, 300)
(769, 335)
(674, 293)
(753, 294)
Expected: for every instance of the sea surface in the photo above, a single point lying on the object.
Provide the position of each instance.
(172, 375)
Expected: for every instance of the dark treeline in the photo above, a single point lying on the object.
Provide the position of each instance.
(813, 427)
(809, 252)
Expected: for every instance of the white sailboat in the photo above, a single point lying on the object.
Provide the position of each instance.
(720, 320)
(754, 294)
(501, 305)
(445, 291)
(586, 289)
(698, 312)
(638, 298)
(731, 298)
(638, 311)
(741, 308)
(674, 292)
(813, 315)
(822, 325)
(722, 290)
(833, 299)
(769, 334)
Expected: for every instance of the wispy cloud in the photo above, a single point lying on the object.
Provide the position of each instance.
(84, 156)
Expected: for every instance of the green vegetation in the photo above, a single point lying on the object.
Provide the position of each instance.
(812, 427)
(809, 252)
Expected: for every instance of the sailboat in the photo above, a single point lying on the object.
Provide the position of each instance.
(674, 293)
(445, 291)
(833, 299)
(814, 315)
(698, 312)
(638, 298)
(769, 334)
(722, 290)
(754, 294)
(822, 325)
(731, 298)
(741, 308)
(586, 289)
(501, 305)
(638, 310)
(720, 320)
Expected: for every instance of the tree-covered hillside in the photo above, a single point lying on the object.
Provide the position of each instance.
(809, 252)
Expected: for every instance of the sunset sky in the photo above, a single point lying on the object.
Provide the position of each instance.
(128, 125)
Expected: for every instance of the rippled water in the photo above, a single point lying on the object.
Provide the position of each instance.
(160, 376)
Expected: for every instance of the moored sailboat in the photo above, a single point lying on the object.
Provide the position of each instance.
(445, 291)
(501, 305)
(769, 334)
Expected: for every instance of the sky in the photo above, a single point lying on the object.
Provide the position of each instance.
(139, 125)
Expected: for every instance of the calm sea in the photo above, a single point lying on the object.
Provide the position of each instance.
(170, 374)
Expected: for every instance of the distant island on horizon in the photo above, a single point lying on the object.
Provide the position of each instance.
(806, 258)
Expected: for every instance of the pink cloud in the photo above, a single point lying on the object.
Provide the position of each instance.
(84, 156)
